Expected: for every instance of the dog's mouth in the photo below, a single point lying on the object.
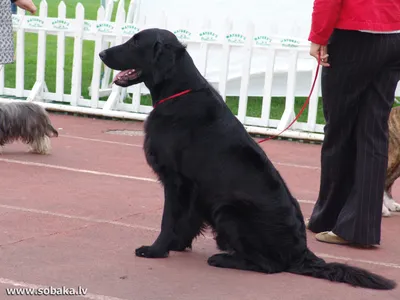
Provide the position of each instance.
(123, 77)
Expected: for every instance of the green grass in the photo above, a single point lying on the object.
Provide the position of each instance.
(91, 7)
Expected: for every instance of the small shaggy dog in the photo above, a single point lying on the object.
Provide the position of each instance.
(214, 174)
(28, 123)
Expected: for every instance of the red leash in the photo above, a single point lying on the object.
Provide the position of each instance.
(301, 110)
(274, 136)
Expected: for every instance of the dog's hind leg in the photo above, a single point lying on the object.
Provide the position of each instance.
(245, 251)
(385, 210)
(233, 261)
(254, 263)
(389, 204)
(393, 172)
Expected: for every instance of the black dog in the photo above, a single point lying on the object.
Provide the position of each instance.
(214, 173)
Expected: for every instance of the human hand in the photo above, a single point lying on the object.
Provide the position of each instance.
(26, 5)
(322, 51)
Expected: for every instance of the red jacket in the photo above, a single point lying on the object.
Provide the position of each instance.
(373, 15)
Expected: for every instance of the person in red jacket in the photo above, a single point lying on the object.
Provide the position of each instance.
(358, 42)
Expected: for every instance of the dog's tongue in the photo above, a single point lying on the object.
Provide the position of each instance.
(125, 75)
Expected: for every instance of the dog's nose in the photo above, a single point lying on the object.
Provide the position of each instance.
(103, 54)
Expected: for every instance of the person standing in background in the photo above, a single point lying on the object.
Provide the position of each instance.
(358, 42)
(6, 31)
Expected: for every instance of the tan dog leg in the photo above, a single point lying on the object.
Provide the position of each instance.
(390, 205)
(385, 211)
(41, 146)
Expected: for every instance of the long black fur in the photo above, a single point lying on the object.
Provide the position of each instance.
(214, 174)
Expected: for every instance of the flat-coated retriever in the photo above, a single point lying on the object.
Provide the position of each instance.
(213, 173)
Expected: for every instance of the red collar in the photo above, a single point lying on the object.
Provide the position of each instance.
(171, 97)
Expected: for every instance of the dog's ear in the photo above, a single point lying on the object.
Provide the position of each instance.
(164, 59)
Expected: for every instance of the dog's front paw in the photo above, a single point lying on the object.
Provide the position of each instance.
(150, 252)
(390, 205)
(393, 206)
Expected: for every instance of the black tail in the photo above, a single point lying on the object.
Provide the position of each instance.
(316, 267)
(51, 131)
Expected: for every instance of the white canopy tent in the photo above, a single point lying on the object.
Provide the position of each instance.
(285, 18)
(279, 18)
(272, 17)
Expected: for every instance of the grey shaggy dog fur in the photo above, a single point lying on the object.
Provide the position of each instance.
(27, 122)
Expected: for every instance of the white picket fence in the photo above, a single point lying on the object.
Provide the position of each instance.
(266, 66)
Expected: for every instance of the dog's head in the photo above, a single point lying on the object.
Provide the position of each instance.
(149, 56)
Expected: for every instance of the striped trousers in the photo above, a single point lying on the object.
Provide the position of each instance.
(358, 93)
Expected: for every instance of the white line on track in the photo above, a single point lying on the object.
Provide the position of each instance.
(138, 227)
(42, 165)
(99, 140)
(58, 167)
(116, 223)
(87, 219)
(30, 163)
(306, 201)
(141, 146)
(20, 284)
(371, 262)
(139, 179)
(295, 165)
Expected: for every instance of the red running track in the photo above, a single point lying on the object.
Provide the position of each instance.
(75, 217)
